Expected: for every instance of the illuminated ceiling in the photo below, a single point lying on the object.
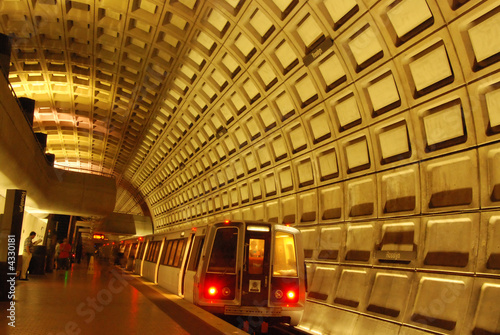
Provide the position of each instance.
(108, 76)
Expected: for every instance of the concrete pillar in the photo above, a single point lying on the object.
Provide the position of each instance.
(10, 239)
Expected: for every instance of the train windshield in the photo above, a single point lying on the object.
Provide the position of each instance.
(285, 262)
(256, 256)
(223, 258)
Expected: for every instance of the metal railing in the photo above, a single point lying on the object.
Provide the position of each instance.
(83, 170)
(30, 126)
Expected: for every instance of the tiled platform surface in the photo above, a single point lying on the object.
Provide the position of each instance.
(104, 301)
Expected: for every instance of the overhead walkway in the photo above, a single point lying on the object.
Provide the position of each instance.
(102, 301)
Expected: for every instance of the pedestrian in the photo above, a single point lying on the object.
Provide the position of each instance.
(28, 249)
(58, 250)
(64, 250)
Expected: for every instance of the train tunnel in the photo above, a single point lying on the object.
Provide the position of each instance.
(373, 126)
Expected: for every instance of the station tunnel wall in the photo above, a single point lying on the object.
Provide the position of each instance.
(383, 150)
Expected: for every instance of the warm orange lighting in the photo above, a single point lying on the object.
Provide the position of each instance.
(227, 221)
(141, 238)
(290, 295)
(212, 291)
(98, 236)
(193, 229)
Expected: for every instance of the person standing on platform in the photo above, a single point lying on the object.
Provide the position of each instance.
(28, 249)
(63, 259)
(56, 255)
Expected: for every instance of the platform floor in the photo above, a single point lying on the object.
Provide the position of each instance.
(104, 301)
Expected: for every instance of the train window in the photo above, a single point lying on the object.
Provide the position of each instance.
(167, 252)
(285, 262)
(171, 256)
(223, 257)
(174, 251)
(153, 251)
(150, 249)
(178, 253)
(157, 252)
(141, 250)
(255, 256)
(196, 253)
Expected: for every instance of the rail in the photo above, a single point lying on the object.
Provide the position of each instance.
(28, 122)
(13, 92)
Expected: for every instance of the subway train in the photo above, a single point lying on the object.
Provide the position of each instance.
(234, 269)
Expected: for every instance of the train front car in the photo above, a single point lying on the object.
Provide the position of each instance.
(253, 269)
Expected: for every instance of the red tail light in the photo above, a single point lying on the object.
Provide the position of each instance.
(285, 290)
(219, 287)
(212, 291)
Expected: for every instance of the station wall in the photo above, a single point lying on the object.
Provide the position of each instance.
(374, 127)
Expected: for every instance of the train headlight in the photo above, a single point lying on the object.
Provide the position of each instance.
(226, 291)
(212, 291)
(278, 294)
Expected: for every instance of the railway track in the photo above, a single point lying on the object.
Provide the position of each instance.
(283, 329)
(277, 329)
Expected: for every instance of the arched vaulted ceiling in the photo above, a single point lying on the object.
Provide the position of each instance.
(180, 100)
(373, 125)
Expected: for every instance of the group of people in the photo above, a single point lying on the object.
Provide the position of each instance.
(62, 255)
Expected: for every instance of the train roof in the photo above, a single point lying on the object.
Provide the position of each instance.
(188, 226)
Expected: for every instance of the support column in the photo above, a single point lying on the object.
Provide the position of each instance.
(50, 241)
(10, 239)
(71, 229)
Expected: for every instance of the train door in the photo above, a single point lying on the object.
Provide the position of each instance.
(159, 245)
(191, 267)
(127, 249)
(184, 264)
(147, 245)
(220, 281)
(131, 257)
(255, 276)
